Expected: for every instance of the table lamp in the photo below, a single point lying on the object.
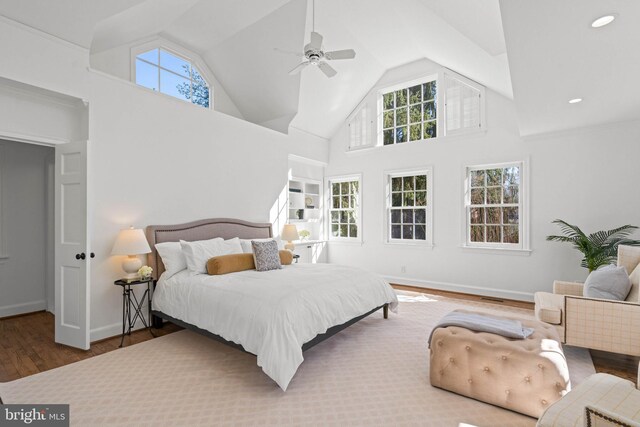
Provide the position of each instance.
(290, 233)
(131, 242)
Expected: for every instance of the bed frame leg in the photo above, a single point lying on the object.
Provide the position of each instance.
(385, 311)
(156, 322)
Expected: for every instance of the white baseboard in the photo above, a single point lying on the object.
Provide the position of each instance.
(109, 331)
(454, 287)
(27, 307)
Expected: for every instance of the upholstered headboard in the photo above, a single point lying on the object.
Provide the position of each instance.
(204, 229)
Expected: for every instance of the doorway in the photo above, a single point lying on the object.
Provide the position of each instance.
(26, 228)
(47, 272)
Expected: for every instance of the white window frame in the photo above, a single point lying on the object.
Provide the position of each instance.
(523, 209)
(428, 171)
(181, 53)
(362, 118)
(437, 77)
(478, 87)
(441, 100)
(329, 203)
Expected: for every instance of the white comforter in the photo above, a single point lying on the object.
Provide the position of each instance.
(272, 314)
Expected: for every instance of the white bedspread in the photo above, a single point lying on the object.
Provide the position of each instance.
(272, 314)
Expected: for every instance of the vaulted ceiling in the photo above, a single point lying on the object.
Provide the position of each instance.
(555, 55)
(546, 49)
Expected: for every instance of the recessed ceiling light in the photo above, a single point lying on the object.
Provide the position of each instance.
(602, 21)
(575, 100)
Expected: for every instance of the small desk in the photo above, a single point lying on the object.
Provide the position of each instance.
(129, 301)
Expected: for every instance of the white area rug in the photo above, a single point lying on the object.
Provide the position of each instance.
(375, 372)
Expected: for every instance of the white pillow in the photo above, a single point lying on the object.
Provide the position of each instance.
(172, 257)
(247, 248)
(198, 253)
(608, 283)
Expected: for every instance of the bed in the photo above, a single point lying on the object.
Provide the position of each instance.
(275, 315)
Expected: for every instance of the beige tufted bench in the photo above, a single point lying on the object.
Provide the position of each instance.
(525, 376)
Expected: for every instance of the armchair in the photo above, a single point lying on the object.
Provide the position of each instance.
(599, 324)
(600, 400)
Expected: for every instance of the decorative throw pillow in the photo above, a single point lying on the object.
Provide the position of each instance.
(172, 258)
(225, 264)
(608, 283)
(198, 253)
(266, 255)
(286, 257)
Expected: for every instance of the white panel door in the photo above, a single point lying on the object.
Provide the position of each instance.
(72, 252)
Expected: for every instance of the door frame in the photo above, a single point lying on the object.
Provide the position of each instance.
(50, 142)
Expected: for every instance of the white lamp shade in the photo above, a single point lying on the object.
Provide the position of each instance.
(289, 233)
(131, 241)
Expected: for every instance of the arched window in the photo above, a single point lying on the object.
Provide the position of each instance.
(165, 72)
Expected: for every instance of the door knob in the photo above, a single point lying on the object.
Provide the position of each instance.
(92, 255)
(81, 256)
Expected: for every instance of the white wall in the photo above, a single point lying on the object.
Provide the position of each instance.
(588, 177)
(153, 159)
(25, 269)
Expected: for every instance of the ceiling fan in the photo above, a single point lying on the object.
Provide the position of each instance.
(315, 55)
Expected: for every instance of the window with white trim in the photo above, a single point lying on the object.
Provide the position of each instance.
(410, 113)
(360, 129)
(344, 208)
(463, 105)
(165, 72)
(495, 211)
(443, 104)
(409, 206)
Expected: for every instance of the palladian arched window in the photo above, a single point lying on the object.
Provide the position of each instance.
(168, 73)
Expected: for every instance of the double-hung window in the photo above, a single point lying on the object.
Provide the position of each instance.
(344, 208)
(410, 113)
(495, 209)
(165, 72)
(409, 207)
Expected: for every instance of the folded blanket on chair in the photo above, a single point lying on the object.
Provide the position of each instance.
(484, 323)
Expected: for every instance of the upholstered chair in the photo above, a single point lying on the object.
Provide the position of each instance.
(599, 324)
(600, 400)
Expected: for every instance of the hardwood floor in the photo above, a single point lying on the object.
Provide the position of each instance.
(27, 346)
(469, 297)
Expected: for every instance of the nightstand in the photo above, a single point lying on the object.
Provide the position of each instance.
(130, 301)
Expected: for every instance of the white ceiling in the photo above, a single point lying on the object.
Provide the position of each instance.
(70, 20)
(547, 49)
(236, 38)
(555, 55)
(387, 34)
(479, 21)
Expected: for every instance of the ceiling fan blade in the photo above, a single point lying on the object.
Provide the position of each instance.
(340, 54)
(316, 41)
(288, 52)
(298, 68)
(327, 69)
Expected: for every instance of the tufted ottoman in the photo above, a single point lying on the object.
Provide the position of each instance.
(525, 376)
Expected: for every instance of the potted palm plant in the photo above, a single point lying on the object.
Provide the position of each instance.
(599, 248)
